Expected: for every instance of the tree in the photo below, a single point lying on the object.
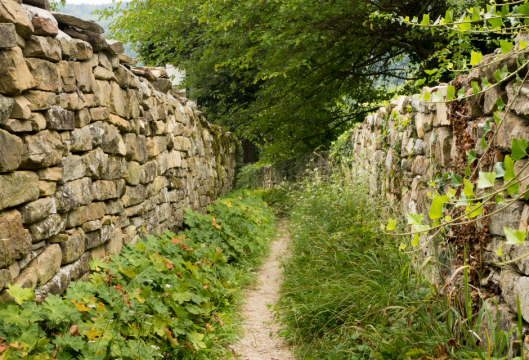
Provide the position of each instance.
(289, 75)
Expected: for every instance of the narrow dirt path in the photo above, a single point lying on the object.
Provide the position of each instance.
(260, 329)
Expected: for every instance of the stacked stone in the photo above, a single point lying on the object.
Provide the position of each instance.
(92, 151)
(426, 147)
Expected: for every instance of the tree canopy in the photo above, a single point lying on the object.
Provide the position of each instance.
(289, 75)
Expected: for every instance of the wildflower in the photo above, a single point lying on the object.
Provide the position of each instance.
(91, 306)
(131, 260)
(148, 315)
(155, 347)
(93, 341)
(160, 355)
(148, 323)
(168, 286)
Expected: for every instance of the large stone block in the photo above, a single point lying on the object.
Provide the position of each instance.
(73, 168)
(18, 188)
(40, 100)
(118, 100)
(73, 248)
(133, 195)
(45, 74)
(104, 190)
(85, 77)
(73, 194)
(50, 226)
(43, 150)
(510, 216)
(44, 47)
(156, 145)
(8, 36)
(96, 162)
(16, 240)
(58, 118)
(13, 13)
(81, 139)
(513, 127)
(11, 150)
(136, 148)
(47, 263)
(117, 168)
(78, 23)
(37, 210)
(15, 76)
(66, 71)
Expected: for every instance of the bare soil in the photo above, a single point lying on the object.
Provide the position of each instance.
(260, 329)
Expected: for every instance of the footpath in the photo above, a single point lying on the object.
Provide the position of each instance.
(260, 341)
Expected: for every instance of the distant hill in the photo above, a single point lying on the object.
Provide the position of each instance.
(84, 11)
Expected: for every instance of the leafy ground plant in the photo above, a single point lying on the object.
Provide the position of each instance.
(168, 296)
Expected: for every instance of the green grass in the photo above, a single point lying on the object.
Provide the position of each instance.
(349, 292)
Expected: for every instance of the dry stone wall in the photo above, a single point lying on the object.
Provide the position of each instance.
(410, 142)
(93, 151)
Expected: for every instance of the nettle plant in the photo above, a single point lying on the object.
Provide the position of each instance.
(477, 188)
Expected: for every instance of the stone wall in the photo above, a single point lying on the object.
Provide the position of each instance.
(410, 142)
(93, 151)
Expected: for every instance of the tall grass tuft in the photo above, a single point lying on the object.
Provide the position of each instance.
(352, 292)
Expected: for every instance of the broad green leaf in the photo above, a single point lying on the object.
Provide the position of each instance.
(499, 169)
(450, 92)
(426, 96)
(425, 19)
(497, 75)
(449, 16)
(451, 193)
(483, 143)
(19, 294)
(456, 180)
(504, 73)
(514, 237)
(486, 126)
(415, 240)
(486, 180)
(196, 339)
(182, 297)
(437, 96)
(485, 84)
(495, 23)
(461, 93)
(513, 189)
(467, 171)
(496, 118)
(430, 72)
(509, 168)
(526, 193)
(518, 149)
(468, 190)
(464, 25)
(473, 211)
(499, 199)
(402, 246)
(471, 156)
(475, 87)
(475, 13)
(436, 209)
(391, 224)
(415, 219)
(523, 45)
(475, 58)
(506, 46)
(500, 105)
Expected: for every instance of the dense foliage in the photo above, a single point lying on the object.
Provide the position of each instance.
(289, 75)
(168, 296)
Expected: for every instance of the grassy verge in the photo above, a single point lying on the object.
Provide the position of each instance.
(169, 296)
(350, 292)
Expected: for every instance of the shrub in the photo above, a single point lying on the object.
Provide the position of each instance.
(168, 296)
